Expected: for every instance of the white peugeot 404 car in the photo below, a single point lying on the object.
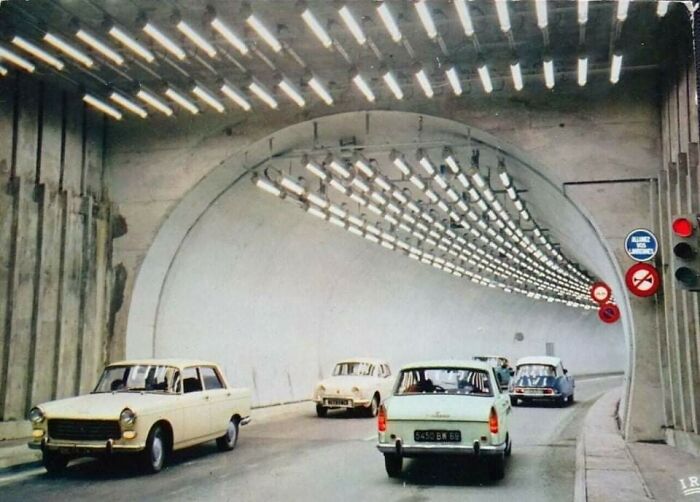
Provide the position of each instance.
(148, 408)
(359, 383)
(446, 408)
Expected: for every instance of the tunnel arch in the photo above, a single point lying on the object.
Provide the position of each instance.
(570, 223)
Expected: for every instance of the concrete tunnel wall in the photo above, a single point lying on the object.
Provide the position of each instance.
(276, 296)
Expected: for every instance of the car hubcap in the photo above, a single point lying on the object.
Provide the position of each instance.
(231, 433)
(157, 451)
(374, 406)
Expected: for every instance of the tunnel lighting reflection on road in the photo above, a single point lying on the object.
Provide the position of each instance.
(317, 28)
(230, 36)
(352, 25)
(393, 84)
(264, 33)
(235, 95)
(155, 102)
(102, 106)
(363, 87)
(182, 101)
(582, 70)
(128, 104)
(196, 38)
(426, 18)
(453, 79)
(164, 41)
(389, 22)
(615, 68)
(131, 44)
(100, 46)
(68, 49)
(503, 16)
(16, 60)
(37, 52)
(464, 17)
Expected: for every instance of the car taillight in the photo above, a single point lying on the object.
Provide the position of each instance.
(493, 421)
(549, 391)
(518, 390)
(381, 419)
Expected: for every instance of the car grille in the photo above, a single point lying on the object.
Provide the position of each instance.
(88, 430)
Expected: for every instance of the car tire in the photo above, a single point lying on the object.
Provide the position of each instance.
(153, 457)
(571, 399)
(509, 448)
(54, 462)
(228, 441)
(321, 411)
(497, 467)
(393, 465)
(561, 401)
(373, 408)
(514, 401)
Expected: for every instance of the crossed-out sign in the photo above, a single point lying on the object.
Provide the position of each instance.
(642, 279)
(609, 313)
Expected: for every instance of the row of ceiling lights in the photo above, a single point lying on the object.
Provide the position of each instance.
(257, 88)
(493, 243)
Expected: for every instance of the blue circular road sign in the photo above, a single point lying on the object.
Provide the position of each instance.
(641, 244)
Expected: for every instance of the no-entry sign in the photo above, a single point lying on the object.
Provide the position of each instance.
(642, 279)
(600, 292)
(609, 313)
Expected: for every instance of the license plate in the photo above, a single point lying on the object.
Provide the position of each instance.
(437, 436)
(533, 391)
(337, 402)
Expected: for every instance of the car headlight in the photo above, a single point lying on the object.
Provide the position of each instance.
(36, 415)
(127, 417)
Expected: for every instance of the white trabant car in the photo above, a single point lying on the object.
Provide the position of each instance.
(359, 383)
(145, 407)
(446, 408)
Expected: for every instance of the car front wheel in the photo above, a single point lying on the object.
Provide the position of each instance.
(393, 465)
(321, 411)
(154, 454)
(54, 462)
(228, 441)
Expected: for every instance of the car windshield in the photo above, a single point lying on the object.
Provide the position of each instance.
(353, 369)
(536, 370)
(140, 378)
(461, 381)
(491, 361)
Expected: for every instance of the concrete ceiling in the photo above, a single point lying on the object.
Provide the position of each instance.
(302, 53)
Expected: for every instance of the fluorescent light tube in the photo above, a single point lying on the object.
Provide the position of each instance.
(182, 100)
(264, 33)
(425, 18)
(102, 106)
(615, 68)
(364, 88)
(483, 71)
(235, 95)
(389, 22)
(582, 11)
(517, 76)
(100, 47)
(155, 102)
(353, 25)
(128, 104)
(582, 70)
(464, 17)
(38, 52)
(453, 78)
(502, 12)
(292, 92)
(425, 83)
(390, 81)
(268, 186)
(196, 38)
(320, 90)
(68, 49)
(16, 59)
(541, 9)
(548, 66)
(622, 8)
(260, 91)
(230, 36)
(164, 41)
(662, 7)
(316, 27)
(208, 98)
(131, 44)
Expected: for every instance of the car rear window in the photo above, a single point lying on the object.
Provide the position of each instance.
(461, 381)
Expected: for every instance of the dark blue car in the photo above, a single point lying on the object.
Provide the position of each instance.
(541, 378)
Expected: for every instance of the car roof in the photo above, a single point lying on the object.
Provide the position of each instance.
(367, 360)
(546, 360)
(178, 363)
(491, 357)
(448, 363)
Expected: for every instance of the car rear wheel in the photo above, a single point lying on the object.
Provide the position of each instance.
(54, 462)
(373, 407)
(571, 398)
(228, 441)
(514, 401)
(321, 411)
(497, 467)
(154, 455)
(509, 447)
(393, 465)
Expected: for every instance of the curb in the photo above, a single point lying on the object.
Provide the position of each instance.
(580, 492)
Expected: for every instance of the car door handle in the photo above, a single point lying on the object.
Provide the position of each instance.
(206, 398)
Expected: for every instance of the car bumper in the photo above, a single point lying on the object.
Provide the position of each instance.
(414, 450)
(536, 395)
(91, 448)
(330, 402)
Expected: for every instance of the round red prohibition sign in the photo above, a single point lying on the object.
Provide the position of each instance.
(600, 292)
(609, 313)
(642, 279)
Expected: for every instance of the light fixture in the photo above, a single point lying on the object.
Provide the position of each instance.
(155, 102)
(389, 22)
(541, 9)
(484, 75)
(337, 221)
(615, 68)
(128, 104)
(622, 8)
(582, 11)
(261, 92)
(38, 52)
(100, 46)
(359, 183)
(364, 88)
(3, 71)
(102, 106)
(424, 83)
(662, 7)
(464, 17)
(131, 44)
(502, 12)
(393, 85)
(362, 165)
(16, 60)
(164, 41)
(352, 25)
(424, 161)
(316, 212)
(517, 75)
(339, 167)
(267, 185)
(339, 187)
(68, 49)
(425, 18)
(548, 66)
(453, 78)
(208, 98)
(182, 100)
(582, 69)
(313, 167)
(338, 211)
(235, 95)
(320, 90)
(230, 36)
(319, 201)
(290, 90)
(292, 186)
(264, 33)
(316, 27)
(196, 38)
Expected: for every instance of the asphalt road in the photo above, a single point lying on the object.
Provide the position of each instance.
(306, 458)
